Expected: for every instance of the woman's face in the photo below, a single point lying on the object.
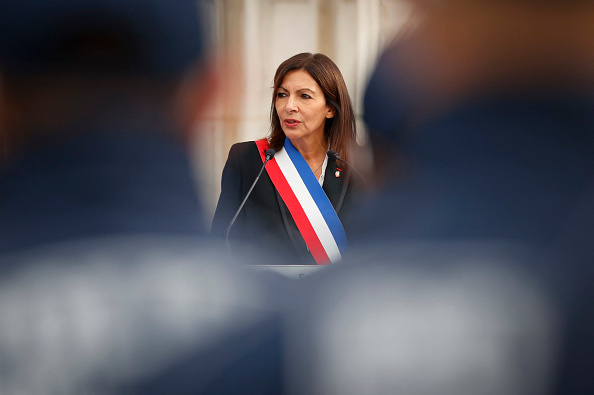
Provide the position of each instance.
(302, 109)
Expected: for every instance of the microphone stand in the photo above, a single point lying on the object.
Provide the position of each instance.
(269, 155)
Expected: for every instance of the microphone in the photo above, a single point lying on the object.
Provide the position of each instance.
(336, 156)
(269, 154)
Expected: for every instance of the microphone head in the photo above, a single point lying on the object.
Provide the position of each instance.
(333, 154)
(270, 153)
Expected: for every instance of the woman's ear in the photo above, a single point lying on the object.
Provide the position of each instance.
(331, 113)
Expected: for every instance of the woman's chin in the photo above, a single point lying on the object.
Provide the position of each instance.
(291, 135)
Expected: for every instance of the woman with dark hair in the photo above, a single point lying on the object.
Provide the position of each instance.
(294, 208)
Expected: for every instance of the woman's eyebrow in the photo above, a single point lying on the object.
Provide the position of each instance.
(298, 90)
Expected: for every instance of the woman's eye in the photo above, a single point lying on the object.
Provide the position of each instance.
(281, 94)
(305, 96)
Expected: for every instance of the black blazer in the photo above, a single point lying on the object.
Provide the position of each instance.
(265, 221)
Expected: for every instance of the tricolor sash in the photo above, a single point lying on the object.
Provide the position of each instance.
(313, 213)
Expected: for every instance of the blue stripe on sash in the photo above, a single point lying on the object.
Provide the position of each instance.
(318, 195)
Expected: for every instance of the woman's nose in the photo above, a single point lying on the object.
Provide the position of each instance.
(291, 105)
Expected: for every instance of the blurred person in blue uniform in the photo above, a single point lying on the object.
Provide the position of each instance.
(489, 109)
(137, 315)
(107, 285)
(98, 100)
(481, 119)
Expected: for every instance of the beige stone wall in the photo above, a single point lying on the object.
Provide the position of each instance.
(253, 37)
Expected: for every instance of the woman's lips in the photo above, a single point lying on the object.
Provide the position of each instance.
(291, 123)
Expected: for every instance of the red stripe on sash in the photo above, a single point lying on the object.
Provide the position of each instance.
(286, 192)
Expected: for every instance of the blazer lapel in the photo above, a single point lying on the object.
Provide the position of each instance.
(336, 181)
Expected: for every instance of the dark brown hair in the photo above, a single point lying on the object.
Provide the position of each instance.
(340, 130)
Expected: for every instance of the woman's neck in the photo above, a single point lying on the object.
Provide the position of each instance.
(312, 150)
(314, 153)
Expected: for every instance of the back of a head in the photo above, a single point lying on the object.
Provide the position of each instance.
(461, 51)
(152, 37)
(78, 56)
(92, 116)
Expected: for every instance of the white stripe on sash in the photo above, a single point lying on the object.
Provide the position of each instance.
(309, 205)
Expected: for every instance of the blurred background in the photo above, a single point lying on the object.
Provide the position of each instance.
(252, 37)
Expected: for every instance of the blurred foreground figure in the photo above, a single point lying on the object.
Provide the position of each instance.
(106, 286)
(97, 99)
(482, 120)
(136, 316)
(440, 319)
